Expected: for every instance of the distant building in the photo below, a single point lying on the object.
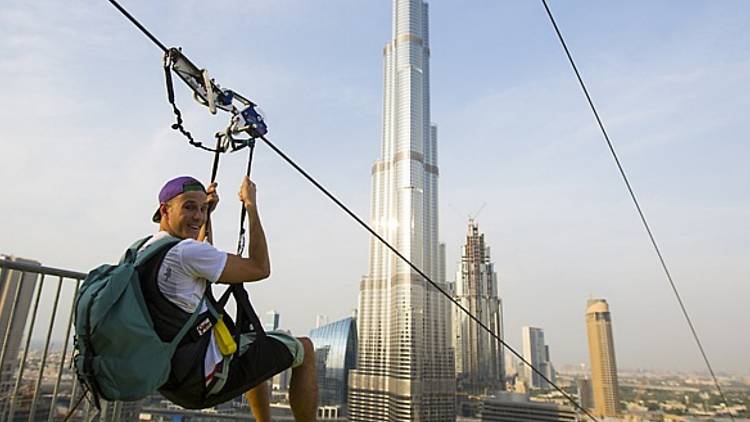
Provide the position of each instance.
(511, 407)
(536, 352)
(602, 354)
(16, 291)
(271, 321)
(510, 365)
(479, 356)
(320, 320)
(336, 354)
(585, 395)
(280, 382)
(549, 369)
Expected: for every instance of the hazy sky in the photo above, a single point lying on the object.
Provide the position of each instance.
(85, 145)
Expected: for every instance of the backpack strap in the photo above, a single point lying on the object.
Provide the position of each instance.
(152, 249)
(132, 251)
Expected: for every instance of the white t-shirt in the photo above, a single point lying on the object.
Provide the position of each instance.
(182, 278)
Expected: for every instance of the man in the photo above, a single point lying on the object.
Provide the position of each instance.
(181, 279)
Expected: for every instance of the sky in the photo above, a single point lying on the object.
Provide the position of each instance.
(85, 145)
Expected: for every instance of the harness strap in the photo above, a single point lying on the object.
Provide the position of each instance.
(178, 115)
(188, 325)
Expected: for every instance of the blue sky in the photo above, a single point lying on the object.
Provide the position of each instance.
(85, 146)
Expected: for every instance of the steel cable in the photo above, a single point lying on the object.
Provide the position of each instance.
(637, 204)
(419, 271)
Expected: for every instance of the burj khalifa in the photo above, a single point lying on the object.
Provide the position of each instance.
(405, 363)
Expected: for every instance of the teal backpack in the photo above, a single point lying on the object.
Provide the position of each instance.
(119, 355)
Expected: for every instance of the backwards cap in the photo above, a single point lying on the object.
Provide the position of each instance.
(175, 187)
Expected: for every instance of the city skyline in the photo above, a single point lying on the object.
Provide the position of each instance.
(556, 212)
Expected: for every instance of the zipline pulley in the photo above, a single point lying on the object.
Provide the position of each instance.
(245, 119)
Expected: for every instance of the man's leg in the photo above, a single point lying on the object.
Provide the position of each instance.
(303, 388)
(258, 399)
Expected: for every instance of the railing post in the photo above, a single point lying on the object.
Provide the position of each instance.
(32, 408)
(73, 392)
(60, 370)
(117, 411)
(88, 410)
(6, 337)
(12, 410)
(104, 411)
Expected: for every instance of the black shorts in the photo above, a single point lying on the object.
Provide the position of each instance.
(263, 358)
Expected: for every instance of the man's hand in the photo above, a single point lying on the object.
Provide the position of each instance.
(213, 197)
(247, 193)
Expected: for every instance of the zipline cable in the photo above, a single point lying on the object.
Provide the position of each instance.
(637, 204)
(346, 209)
(138, 24)
(341, 205)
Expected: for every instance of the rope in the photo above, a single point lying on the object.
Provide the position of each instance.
(636, 203)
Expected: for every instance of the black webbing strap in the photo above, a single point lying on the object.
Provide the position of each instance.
(178, 115)
(243, 211)
(247, 319)
(244, 308)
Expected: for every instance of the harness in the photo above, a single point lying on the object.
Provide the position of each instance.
(186, 384)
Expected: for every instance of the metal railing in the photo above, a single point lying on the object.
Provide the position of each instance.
(30, 301)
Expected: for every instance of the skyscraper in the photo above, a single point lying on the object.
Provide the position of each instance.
(602, 353)
(479, 357)
(405, 363)
(536, 352)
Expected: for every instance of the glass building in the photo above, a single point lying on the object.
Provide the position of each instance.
(336, 354)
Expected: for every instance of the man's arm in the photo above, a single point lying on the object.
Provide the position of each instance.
(257, 265)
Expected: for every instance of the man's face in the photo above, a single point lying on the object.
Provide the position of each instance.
(185, 214)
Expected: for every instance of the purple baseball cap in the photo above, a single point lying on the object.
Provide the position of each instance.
(175, 187)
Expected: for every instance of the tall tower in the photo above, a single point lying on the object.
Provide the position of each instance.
(602, 353)
(479, 357)
(404, 362)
